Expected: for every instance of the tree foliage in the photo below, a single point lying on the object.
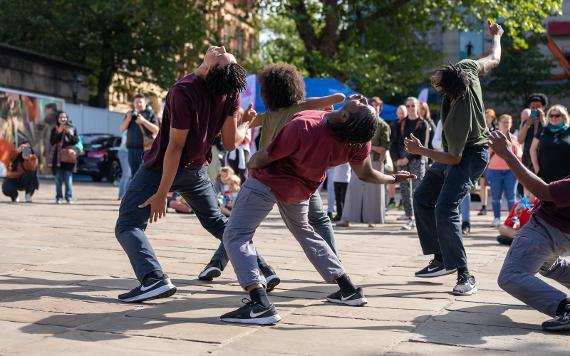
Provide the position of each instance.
(152, 39)
(380, 46)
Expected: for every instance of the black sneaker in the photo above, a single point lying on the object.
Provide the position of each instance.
(465, 285)
(211, 271)
(435, 268)
(482, 212)
(504, 240)
(154, 289)
(272, 282)
(560, 323)
(252, 313)
(356, 299)
(465, 228)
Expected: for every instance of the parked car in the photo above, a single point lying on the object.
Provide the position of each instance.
(99, 158)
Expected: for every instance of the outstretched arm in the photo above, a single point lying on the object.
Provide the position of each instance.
(414, 146)
(502, 146)
(493, 59)
(322, 102)
(234, 131)
(366, 173)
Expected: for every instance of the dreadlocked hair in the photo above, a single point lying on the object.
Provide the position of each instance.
(226, 80)
(454, 81)
(359, 128)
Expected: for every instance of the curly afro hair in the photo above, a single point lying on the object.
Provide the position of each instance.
(454, 81)
(226, 80)
(281, 86)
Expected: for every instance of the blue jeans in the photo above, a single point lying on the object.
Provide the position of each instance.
(196, 188)
(436, 205)
(126, 171)
(501, 181)
(465, 208)
(318, 219)
(135, 159)
(66, 177)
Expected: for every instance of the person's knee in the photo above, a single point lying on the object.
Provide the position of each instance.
(506, 278)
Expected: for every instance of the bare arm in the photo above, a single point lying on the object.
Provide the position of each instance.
(502, 146)
(148, 125)
(322, 102)
(414, 146)
(523, 131)
(234, 131)
(534, 154)
(493, 59)
(170, 165)
(366, 173)
(125, 123)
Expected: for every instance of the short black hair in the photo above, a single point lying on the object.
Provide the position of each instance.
(52, 106)
(454, 81)
(281, 86)
(359, 128)
(537, 97)
(226, 80)
(138, 96)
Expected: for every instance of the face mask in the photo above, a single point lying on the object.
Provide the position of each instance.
(555, 128)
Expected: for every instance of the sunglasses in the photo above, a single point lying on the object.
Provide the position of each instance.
(410, 106)
(555, 115)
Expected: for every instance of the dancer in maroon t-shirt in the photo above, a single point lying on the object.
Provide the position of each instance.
(287, 173)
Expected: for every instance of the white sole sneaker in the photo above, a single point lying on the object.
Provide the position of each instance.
(162, 292)
(255, 321)
(472, 291)
(353, 302)
(442, 272)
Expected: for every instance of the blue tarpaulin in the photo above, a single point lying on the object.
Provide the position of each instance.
(326, 86)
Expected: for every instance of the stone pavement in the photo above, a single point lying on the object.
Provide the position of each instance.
(61, 270)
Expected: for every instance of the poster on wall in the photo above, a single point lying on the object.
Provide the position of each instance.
(27, 117)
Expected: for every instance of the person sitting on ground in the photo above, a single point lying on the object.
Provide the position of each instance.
(518, 217)
(539, 244)
(221, 184)
(22, 174)
(287, 173)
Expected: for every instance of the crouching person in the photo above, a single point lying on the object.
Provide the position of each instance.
(22, 174)
(539, 245)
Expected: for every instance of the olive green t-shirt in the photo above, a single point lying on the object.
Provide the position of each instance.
(464, 120)
(381, 138)
(273, 121)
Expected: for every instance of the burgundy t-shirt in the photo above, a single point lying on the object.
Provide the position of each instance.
(557, 211)
(189, 106)
(303, 150)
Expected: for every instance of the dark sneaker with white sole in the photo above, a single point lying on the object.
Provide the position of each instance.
(465, 285)
(272, 282)
(252, 313)
(435, 268)
(560, 323)
(355, 299)
(155, 288)
(211, 271)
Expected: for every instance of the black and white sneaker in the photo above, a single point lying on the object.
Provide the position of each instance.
(435, 268)
(272, 282)
(211, 271)
(154, 289)
(355, 299)
(252, 313)
(560, 323)
(465, 285)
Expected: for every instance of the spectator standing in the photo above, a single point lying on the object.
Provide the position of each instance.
(123, 155)
(414, 163)
(491, 119)
(531, 125)
(365, 202)
(237, 159)
(63, 157)
(401, 113)
(501, 180)
(341, 178)
(22, 174)
(141, 127)
(425, 114)
(550, 151)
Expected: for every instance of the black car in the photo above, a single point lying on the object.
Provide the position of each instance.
(100, 157)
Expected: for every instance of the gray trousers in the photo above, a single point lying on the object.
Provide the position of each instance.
(415, 166)
(253, 204)
(537, 248)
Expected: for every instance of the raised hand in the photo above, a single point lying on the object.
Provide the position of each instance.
(413, 144)
(249, 114)
(501, 144)
(495, 29)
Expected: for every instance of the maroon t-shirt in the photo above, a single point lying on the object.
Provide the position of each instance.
(303, 150)
(189, 106)
(557, 211)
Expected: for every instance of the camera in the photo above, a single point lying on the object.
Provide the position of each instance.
(134, 115)
(26, 152)
(534, 114)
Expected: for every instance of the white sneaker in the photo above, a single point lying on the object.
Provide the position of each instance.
(496, 222)
(411, 224)
(59, 201)
(28, 198)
